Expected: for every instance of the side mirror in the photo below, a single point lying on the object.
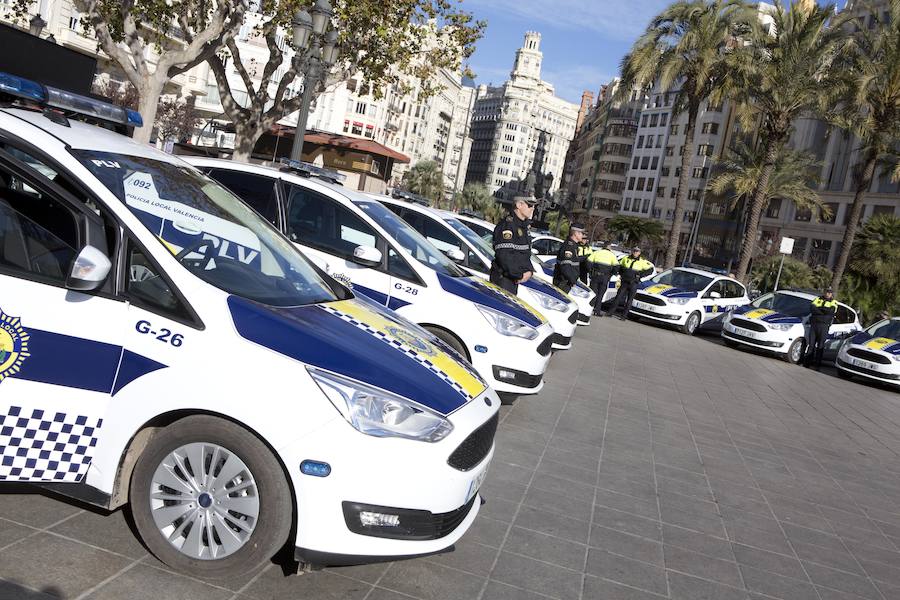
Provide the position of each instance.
(715, 295)
(534, 251)
(455, 254)
(89, 270)
(367, 256)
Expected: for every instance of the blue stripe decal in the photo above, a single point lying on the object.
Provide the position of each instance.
(134, 366)
(468, 288)
(70, 361)
(545, 288)
(316, 337)
(393, 303)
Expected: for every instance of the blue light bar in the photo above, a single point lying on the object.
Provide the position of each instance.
(312, 170)
(67, 101)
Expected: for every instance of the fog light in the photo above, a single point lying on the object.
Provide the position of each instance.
(481, 349)
(315, 468)
(504, 374)
(375, 519)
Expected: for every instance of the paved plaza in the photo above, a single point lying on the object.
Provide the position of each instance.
(653, 465)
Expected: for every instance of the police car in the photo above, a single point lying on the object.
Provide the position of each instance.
(162, 345)
(453, 238)
(357, 240)
(778, 323)
(546, 247)
(688, 298)
(580, 293)
(873, 354)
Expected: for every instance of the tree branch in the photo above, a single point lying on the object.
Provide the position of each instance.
(231, 108)
(212, 31)
(241, 69)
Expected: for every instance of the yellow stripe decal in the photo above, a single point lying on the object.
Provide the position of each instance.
(516, 299)
(455, 372)
(758, 313)
(659, 288)
(880, 343)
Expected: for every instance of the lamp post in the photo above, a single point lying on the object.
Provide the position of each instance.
(317, 51)
(36, 25)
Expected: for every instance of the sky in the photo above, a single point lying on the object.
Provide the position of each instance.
(583, 41)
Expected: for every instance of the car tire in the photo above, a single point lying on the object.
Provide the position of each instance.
(692, 324)
(795, 353)
(449, 339)
(262, 488)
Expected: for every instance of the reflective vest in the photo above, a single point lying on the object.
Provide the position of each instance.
(635, 264)
(822, 302)
(603, 257)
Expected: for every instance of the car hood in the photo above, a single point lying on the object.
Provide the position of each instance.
(364, 342)
(545, 288)
(665, 291)
(479, 291)
(868, 342)
(766, 316)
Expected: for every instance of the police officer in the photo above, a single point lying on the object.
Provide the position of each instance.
(631, 269)
(512, 247)
(603, 265)
(569, 260)
(823, 309)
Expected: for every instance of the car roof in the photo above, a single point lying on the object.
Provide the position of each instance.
(703, 272)
(476, 220)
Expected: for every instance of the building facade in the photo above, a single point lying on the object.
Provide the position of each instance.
(520, 127)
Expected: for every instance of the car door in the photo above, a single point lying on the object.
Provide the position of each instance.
(714, 307)
(328, 233)
(845, 324)
(60, 349)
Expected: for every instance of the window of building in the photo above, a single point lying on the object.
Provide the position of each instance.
(700, 172)
(670, 150)
(654, 120)
(650, 183)
(803, 214)
(360, 108)
(819, 252)
(631, 183)
(694, 194)
(705, 150)
(370, 131)
(346, 126)
(645, 162)
(774, 208)
(664, 172)
(710, 128)
(626, 206)
(646, 208)
(663, 119)
(833, 208)
(677, 172)
(882, 209)
(674, 129)
(635, 162)
(640, 183)
(357, 128)
(714, 107)
(640, 142)
(661, 192)
(644, 120)
(655, 163)
(672, 192)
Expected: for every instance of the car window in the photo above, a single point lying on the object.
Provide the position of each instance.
(438, 235)
(148, 288)
(718, 287)
(733, 289)
(542, 246)
(398, 267)
(787, 304)
(318, 221)
(844, 315)
(38, 234)
(685, 280)
(553, 247)
(256, 190)
(887, 329)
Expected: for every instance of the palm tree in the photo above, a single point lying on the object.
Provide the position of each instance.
(787, 70)
(685, 45)
(634, 230)
(477, 198)
(872, 281)
(871, 111)
(425, 178)
(793, 178)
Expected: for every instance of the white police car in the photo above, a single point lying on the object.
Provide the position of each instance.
(688, 298)
(546, 247)
(580, 293)
(778, 323)
(359, 241)
(470, 251)
(873, 354)
(162, 345)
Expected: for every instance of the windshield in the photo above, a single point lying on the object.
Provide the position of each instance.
(470, 236)
(212, 233)
(486, 233)
(786, 304)
(410, 239)
(887, 329)
(685, 280)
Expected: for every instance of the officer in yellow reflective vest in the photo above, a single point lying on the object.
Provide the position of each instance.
(584, 251)
(820, 319)
(631, 269)
(603, 265)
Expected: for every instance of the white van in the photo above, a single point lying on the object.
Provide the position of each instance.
(162, 345)
(357, 240)
(451, 236)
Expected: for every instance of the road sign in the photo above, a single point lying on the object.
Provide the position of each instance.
(787, 245)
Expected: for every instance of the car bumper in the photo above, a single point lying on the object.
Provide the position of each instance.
(436, 503)
(530, 357)
(564, 325)
(883, 373)
(672, 314)
(761, 340)
(585, 308)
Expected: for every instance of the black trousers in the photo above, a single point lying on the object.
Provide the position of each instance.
(599, 285)
(815, 348)
(504, 282)
(563, 284)
(625, 295)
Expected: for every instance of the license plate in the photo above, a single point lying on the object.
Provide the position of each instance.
(475, 484)
(641, 305)
(746, 333)
(862, 364)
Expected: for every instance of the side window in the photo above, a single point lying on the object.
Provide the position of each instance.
(733, 289)
(553, 247)
(542, 246)
(397, 210)
(719, 287)
(473, 261)
(38, 235)
(398, 267)
(442, 238)
(322, 223)
(256, 190)
(148, 289)
(843, 315)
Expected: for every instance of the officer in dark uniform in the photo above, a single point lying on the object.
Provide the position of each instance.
(603, 264)
(631, 269)
(512, 247)
(584, 250)
(820, 319)
(569, 260)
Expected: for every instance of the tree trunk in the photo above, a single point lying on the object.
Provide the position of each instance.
(862, 189)
(682, 194)
(757, 203)
(149, 93)
(245, 137)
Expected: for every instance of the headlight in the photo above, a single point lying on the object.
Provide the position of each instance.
(781, 326)
(507, 325)
(679, 301)
(380, 413)
(580, 292)
(548, 302)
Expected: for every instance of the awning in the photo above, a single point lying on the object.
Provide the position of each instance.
(360, 145)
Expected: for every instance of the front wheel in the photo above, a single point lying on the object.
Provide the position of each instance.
(450, 340)
(209, 499)
(692, 324)
(795, 352)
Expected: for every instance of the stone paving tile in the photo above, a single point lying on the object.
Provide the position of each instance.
(145, 583)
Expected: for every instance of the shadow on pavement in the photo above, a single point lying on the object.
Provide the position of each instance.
(11, 591)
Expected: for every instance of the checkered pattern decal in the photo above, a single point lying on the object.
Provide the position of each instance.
(420, 358)
(38, 445)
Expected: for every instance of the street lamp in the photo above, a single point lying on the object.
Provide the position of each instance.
(36, 25)
(317, 51)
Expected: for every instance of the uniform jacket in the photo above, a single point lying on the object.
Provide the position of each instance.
(604, 262)
(512, 248)
(822, 311)
(633, 269)
(569, 260)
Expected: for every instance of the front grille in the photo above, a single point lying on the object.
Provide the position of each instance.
(475, 447)
(545, 346)
(584, 318)
(640, 311)
(869, 356)
(745, 324)
(520, 378)
(649, 299)
(870, 372)
(573, 317)
(561, 340)
(750, 340)
(414, 524)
